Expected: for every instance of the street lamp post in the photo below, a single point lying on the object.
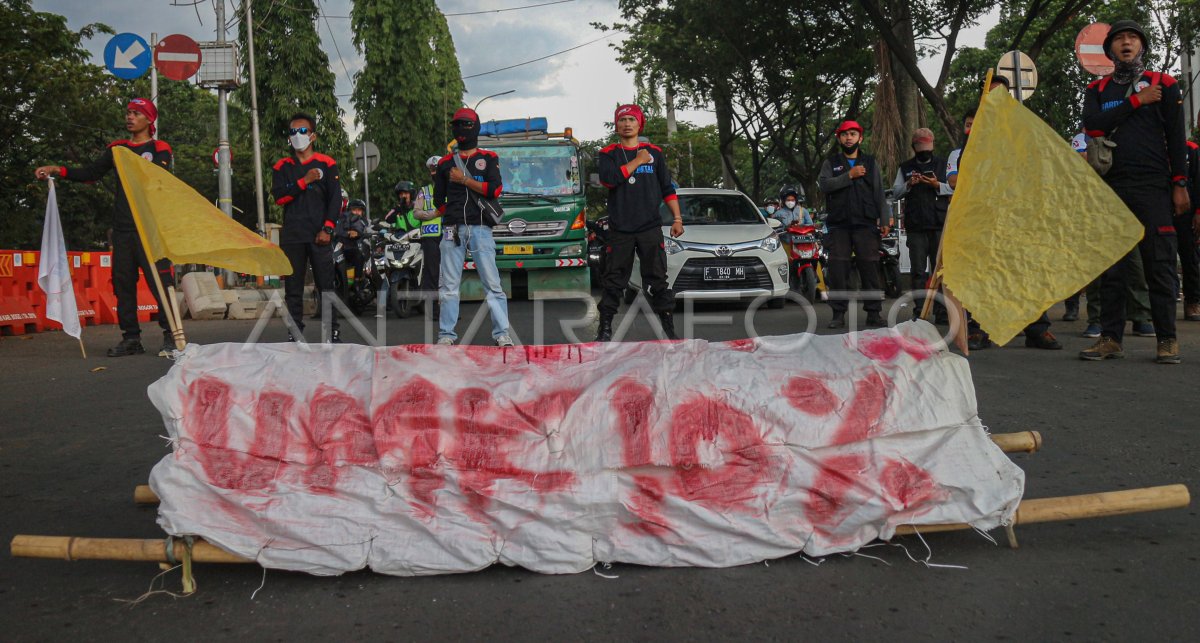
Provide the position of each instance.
(492, 96)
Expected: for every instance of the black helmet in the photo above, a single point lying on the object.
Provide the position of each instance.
(356, 203)
(792, 190)
(404, 186)
(771, 201)
(1124, 25)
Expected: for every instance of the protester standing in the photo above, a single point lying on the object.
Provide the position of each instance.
(921, 182)
(128, 253)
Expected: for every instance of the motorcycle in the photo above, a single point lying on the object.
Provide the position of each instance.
(889, 264)
(403, 259)
(355, 285)
(803, 246)
(597, 240)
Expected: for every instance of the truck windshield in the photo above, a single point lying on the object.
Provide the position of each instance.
(539, 169)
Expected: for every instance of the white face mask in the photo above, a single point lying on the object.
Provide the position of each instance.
(770, 209)
(790, 204)
(299, 141)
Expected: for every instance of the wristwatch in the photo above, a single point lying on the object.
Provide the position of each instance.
(1180, 183)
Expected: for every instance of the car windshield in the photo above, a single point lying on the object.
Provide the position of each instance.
(539, 169)
(713, 209)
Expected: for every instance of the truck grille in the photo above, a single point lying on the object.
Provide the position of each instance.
(511, 230)
(691, 276)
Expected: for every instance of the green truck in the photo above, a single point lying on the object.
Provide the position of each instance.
(541, 244)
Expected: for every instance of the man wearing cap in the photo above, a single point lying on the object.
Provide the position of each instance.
(128, 253)
(921, 182)
(307, 184)
(638, 182)
(858, 213)
(1139, 110)
(431, 237)
(463, 179)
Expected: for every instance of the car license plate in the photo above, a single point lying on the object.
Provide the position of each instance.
(724, 273)
(518, 250)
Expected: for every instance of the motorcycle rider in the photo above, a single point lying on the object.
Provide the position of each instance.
(401, 218)
(431, 236)
(793, 210)
(770, 206)
(350, 229)
(921, 181)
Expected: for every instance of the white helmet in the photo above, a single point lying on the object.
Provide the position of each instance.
(432, 161)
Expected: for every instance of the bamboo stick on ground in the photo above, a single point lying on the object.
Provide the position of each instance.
(149, 550)
(1020, 442)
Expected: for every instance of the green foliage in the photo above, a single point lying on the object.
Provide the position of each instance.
(293, 75)
(407, 91)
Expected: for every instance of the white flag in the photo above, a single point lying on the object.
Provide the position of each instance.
(54, 273)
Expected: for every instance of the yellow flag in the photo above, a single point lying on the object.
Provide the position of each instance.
(179, 224)
(1030, 223)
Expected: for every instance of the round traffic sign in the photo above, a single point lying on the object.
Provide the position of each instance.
(1019, 70)
(1089, 49)
(366, 155)
(177, 57)
(127, 56)
(217, 157)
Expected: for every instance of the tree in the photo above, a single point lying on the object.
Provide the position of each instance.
(409, 88)
(293, 75)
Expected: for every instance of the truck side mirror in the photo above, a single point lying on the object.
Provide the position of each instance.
(594, 180)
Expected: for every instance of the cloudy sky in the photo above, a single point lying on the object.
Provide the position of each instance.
(577, 88)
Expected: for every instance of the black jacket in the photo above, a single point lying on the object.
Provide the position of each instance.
(633, 207)
(924, 205)
(157, 152)
(853, 202)
(307, 207)
(452, 200)
(1151, 143)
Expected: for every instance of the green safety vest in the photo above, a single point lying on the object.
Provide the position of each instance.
(432, 227)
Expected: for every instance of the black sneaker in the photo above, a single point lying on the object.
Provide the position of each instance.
(668, 325)
(604, 332)
(335, 336)
(875, 320)
(168, 346)
(838, 321)
(978, 342)
(127, 347)
(1072, 313)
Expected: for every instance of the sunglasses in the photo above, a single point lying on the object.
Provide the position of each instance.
(464, 123)
(297, 130)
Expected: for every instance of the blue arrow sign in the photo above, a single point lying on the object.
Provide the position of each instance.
(127, 56)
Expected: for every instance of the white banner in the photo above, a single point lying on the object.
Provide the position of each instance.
(430, 459)
(54, 273)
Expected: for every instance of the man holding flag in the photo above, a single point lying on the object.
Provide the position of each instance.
(128, 253)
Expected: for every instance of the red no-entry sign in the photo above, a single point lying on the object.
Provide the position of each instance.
(177, 57)
(1089, 49)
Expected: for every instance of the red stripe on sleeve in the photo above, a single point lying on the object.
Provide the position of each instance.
(669, 198)
(1133, 100)
(284, 200)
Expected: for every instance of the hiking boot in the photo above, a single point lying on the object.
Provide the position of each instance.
(1072, 313)
(874, 320)
(1106, 348)
(668, 325)
(445, 341)
(335, 336)
(1191, 312)
(168, 346)
(1092, 330)
(1044, 341)
(838, 321)
(978, 342)
(604, 332)
(1168, 351)
(127, 347)
(504, 341)
(1143, 329)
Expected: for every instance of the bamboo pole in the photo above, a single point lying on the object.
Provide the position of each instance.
(152, 550)
(1091, 505)
(177, 332)
(1020, 442)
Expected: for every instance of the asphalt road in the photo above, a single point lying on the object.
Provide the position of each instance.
(75, 441)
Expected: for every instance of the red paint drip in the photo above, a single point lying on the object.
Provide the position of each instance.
(408, 437)
(887, 348)
(271, 412)
(834, 494)
(631, 402)
(737, 483)
(339, 428)
(811, 396)
(865, 410)
(207, 405)
(908, 485)
(645, 503)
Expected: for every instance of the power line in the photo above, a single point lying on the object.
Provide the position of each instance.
(528, 6)
(590, 42)
(339, 53)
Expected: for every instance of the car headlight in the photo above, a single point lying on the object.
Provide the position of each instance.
(672, 247)
(770, 244)
(573, 250)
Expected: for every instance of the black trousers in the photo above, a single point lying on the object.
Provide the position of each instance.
(128, 258)
(1158, 248)
(302, 256)
(922, 254)
(863, 243)
(648, 246)
(1189, 257)
(431, 249)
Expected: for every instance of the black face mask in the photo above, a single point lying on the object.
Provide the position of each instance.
(849, 149)
(924, 157)
(467, 137)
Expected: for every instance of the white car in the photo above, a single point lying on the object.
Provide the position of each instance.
(728, 250)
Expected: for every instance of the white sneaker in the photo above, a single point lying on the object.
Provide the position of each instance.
(504, 341)
(445, 341)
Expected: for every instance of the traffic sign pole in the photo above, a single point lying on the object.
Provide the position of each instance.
(154, 84)
(1016, 63)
